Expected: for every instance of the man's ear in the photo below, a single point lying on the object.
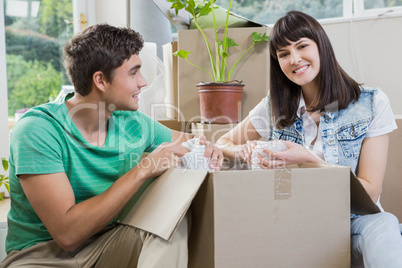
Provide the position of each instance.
(99, 80)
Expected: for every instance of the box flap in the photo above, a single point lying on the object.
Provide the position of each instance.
(182, 21)
(391, 197)
(163, 205)
(360, 202)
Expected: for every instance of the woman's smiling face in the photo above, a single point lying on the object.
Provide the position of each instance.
(300, 62)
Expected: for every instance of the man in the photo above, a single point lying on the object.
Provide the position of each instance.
(75, 163)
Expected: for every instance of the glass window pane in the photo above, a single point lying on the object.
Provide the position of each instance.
(374, 4)
(36, 32)
(269, 11)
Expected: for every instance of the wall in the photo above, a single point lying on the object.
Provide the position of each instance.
(370, 51)
(113, 12)
(155, 28)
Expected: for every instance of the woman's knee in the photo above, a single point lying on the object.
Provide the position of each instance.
(386, 219)
(377, 223)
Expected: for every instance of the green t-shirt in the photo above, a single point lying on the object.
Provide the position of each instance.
(45, 140)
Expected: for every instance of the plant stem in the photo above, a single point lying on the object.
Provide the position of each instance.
(217, 58)
(225, 38)
(234, 65)
(209, 50)
(201, 69)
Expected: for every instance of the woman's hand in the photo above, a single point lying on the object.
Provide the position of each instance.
(295, 154)
(212, 152)
(246, 151)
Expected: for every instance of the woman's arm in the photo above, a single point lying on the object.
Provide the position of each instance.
(234, 143)
(372, 164)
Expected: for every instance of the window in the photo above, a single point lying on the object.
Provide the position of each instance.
(377, 7)
(269, 11)
(35, 33)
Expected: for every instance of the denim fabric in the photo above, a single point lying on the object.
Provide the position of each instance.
(376, 241)
(342, 131)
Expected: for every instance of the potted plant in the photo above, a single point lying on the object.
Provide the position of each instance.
(221, 93)
(3, 179)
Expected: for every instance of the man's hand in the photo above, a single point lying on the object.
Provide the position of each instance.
(165, 156)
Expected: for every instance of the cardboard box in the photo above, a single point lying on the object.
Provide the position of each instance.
(252, 69)
(176, 125)
(241, 219)
(211, 131)
(298, 217)
(391, 196)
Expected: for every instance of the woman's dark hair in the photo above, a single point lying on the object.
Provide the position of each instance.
(336, 87)
(101, 47)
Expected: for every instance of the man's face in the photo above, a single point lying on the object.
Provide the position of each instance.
(123, 91)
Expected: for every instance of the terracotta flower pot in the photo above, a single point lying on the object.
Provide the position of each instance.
(220, 103)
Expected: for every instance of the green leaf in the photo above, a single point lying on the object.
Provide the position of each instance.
(177, 5)
(2, 177)
(220, 48)
(205, 10)
(191, 8)
(230, 43)
(7, 186)
(4, 162)
(1, 197)
(222, 52)
(257, 38)
(182, 53)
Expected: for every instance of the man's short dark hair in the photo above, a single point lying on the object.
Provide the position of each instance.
(100, 47)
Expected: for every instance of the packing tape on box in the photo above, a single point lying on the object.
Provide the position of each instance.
(283, 184)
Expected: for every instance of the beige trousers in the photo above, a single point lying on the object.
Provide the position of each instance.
(116, 247)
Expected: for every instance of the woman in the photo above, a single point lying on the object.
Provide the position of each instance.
(323, 116)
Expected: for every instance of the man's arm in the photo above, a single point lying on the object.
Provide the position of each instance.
(70, 224)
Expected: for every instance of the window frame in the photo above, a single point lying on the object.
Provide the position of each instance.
(4, 144)
(360, 11)
(88, 7)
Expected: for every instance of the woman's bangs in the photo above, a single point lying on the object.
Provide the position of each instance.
(285, 33)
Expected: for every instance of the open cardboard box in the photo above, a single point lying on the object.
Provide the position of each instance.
(295, 217)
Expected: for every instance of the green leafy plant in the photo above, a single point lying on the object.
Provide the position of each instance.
(221, 72)
(3, 179)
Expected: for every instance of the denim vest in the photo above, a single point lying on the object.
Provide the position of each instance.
(342, 131)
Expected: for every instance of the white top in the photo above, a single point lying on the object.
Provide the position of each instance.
(382, 123)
